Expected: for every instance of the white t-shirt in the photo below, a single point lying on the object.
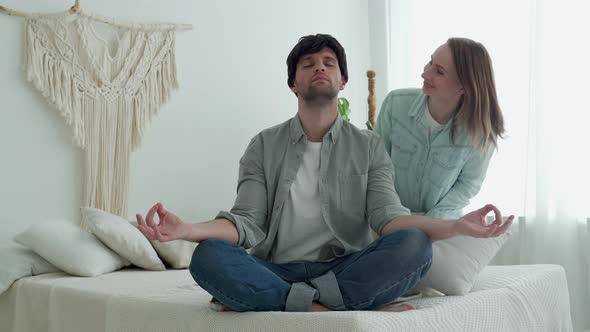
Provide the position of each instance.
(432, 126)
(302, 230)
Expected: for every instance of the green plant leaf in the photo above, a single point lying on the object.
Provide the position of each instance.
(344, 108)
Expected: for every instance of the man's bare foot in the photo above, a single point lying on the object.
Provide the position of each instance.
(218, 306)
(316, 307)
(397, 307)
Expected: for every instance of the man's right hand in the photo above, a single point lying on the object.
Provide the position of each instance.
(169, 228)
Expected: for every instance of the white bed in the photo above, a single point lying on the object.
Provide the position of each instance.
(504, 298)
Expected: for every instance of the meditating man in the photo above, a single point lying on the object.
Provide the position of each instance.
(310, 190)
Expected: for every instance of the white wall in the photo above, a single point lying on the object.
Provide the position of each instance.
(232, 74)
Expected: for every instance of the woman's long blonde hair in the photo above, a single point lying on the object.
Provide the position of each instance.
(478, 110)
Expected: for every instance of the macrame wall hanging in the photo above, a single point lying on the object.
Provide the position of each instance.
(108, 79)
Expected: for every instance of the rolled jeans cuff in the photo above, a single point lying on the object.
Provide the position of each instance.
(300, 297)
(330, 295)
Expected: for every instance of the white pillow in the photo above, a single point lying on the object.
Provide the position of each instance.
(74, 251)
(177, 254)
(18, 262)
(119, 235)
(457, 261)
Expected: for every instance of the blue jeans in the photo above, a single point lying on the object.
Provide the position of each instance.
(365, 280)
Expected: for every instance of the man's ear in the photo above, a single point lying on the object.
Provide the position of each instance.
(294, 89)
(342, 85)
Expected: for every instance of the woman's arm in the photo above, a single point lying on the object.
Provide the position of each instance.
(466, 186)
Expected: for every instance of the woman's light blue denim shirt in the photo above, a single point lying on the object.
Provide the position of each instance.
(432, 175)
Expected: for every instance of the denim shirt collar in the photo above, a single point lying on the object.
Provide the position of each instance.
(297, 132)
(419, 106)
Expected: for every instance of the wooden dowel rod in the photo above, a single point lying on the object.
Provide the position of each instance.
(371, 99)
(12, 12)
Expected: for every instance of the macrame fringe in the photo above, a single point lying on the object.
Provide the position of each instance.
(106, 130)
(55, 81)
(154, 91)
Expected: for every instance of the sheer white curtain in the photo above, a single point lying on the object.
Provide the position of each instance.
(541, 55)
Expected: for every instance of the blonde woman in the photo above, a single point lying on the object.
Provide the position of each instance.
(441, 137)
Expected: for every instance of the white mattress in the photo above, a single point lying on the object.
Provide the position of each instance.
(505, 298)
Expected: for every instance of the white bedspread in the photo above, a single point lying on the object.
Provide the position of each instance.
(505, 298)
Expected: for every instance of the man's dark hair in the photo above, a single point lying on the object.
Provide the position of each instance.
(313, 44)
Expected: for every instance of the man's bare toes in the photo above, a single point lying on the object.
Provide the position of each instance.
(397, 307)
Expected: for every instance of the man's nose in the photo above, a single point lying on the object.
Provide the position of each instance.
(320, 67)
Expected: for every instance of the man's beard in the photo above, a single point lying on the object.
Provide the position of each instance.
(319, 95)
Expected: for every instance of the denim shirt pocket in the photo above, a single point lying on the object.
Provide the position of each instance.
(353, 194)
(402, 150)
(447, 163)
